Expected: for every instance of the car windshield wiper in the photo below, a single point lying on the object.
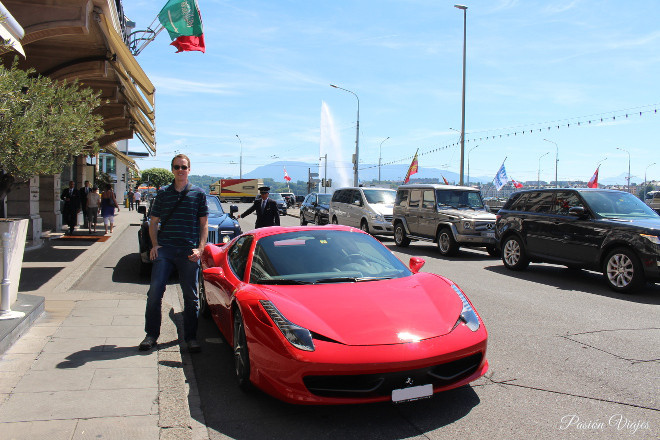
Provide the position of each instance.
(281, 281)
(348, 279)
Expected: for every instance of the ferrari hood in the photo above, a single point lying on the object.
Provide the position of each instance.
(394, 311)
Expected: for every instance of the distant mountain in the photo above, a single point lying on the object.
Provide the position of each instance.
(299, 171)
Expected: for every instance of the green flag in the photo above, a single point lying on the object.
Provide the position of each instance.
(183, 22)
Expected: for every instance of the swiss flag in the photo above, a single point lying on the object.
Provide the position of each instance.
(286, 176)
(593, 182)
(516, 184)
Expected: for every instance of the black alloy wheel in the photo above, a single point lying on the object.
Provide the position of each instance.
(204, 309)
(241, 355)
(513, 253)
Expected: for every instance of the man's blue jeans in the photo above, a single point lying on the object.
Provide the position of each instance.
(168, 259)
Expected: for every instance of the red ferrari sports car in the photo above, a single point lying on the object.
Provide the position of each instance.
(328, 315)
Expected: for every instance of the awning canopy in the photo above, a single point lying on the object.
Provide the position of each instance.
(129, 162)
(10, 31)
(131, 75)
(84, 40)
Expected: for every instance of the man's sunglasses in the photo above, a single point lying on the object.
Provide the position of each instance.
(180, 167)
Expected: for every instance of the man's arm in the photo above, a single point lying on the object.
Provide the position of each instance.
(153, 234)
(249, 210)
(203, 234)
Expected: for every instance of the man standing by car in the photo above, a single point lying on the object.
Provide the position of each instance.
(181, 212)
(266, 210)
(71, 208)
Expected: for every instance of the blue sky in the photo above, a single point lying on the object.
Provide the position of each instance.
(531, 65)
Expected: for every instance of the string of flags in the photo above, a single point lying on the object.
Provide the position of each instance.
(583, 121)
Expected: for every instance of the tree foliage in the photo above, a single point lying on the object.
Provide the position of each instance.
(43, 124)
(156, 177)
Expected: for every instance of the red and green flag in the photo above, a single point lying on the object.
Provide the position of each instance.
(413, 168)
(183, 22)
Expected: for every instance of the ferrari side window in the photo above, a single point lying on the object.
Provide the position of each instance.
(238, 255)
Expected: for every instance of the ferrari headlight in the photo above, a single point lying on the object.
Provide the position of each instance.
(298, 336)
(468, 315)
(652, 238)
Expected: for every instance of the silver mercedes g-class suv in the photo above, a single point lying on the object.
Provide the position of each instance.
(451, 216)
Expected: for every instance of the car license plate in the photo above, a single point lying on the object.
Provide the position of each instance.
(489, 234)
(412, 393)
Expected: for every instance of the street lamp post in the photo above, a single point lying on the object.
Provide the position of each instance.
(556, 161)
(240, 166)
(468, 176)
(538, 175)
(380, 150)
(357, 136)
(622, 149)
(644, 190)
(464, 8)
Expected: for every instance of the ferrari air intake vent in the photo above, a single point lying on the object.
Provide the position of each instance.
(372, 385)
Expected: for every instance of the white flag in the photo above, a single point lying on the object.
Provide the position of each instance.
(500, 178)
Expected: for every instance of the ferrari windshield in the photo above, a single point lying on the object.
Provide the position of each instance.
(323, 256)
(617, 204)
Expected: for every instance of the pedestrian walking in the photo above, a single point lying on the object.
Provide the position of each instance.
(84, 191)
(136, 198)
(130, 199)
(93, 207)
(71, 207)
(181, 210)
(108, 205)
(265, 208)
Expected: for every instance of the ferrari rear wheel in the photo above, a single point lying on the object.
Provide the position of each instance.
(241, 355)
(201, 293)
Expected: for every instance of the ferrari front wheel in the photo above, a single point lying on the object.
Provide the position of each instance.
(241, 355)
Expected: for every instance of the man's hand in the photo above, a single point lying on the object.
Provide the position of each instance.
(153, 254)
(238, 216)
(196, 255)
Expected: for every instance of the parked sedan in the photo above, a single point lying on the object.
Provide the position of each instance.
(314, 209)
(222, 227)
(328, 315)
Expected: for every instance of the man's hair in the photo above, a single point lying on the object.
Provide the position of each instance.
(180, 156)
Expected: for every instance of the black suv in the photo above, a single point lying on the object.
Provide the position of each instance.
(596, 229)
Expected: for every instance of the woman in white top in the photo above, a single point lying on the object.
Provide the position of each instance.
(93, 207)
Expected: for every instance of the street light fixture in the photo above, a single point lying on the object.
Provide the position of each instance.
(538, 175)
(464, 8)
(644, 190)
(357, 136)
(380, 149)
(468, 176)
(241, 161)
(623, 149)
(556, 161)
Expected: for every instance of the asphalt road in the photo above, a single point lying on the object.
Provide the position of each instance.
(568, 359)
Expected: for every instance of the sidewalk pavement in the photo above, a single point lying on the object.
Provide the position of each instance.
(74, 370)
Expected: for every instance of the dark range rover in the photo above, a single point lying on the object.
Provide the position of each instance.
(612, 232)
